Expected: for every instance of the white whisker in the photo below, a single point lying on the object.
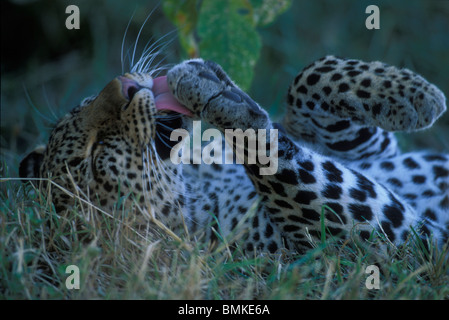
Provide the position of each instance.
(150, 53)
(156, 72)
(123, 41)
(146, 173)
(160, 48)
(167, 116)
(161, 138)
(50, 107)
(43, 116)
(165, 126)
(138, 35)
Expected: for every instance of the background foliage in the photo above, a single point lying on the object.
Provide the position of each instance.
(224, 31)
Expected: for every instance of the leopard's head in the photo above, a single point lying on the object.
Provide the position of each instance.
(113, 145)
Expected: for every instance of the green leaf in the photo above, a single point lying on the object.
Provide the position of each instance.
(228, 36)
(265, 11)
(225, 31)
(184, 14)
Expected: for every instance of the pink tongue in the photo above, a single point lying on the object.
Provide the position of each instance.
(164, 98)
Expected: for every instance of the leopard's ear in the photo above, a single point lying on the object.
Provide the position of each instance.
(30, 165)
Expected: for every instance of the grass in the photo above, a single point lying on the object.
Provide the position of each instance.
(118, 260)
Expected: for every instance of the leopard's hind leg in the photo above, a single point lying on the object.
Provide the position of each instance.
(349, 108)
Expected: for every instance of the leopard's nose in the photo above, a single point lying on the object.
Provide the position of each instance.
(129, 87)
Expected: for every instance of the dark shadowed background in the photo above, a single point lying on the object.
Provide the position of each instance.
(47, 69)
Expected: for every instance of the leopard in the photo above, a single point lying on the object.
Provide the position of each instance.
(339, 166)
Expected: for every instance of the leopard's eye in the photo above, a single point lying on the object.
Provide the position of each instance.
(95, 145)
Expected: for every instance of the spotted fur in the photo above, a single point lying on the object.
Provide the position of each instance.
(338, 158)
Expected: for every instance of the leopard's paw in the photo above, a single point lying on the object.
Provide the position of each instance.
(370, 93)
(208, 92)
